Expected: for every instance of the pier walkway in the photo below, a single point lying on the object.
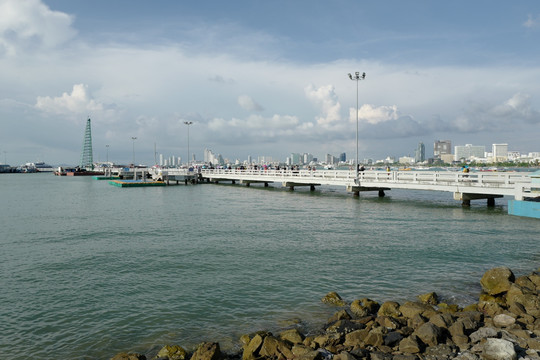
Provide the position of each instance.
(464, 186)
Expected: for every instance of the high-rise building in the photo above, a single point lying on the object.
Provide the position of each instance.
(343, 157)
(420, 153)
(297, 159)
(500, 152)
(469, 151)
(442, 147)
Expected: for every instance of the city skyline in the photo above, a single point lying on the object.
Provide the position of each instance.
(252, 85)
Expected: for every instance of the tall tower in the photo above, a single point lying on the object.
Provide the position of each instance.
(87, 159)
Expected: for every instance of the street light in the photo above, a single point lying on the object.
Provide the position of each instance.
(357, 78)
(133, 138)
(107, 146)
(188, 123)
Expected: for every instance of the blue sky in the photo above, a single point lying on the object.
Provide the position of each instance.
(265, 78)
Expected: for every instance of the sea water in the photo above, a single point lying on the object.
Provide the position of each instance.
(88, 270)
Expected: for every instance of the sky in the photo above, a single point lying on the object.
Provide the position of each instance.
(265, 78)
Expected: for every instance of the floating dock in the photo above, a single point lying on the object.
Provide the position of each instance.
(106, 177)
(135, 183)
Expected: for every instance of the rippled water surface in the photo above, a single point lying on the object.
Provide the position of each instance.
(89, 270)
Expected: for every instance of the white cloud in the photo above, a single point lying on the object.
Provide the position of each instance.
(30, 24)
(532, 22)
(77, 102)
(249, 104)
(374, 115)
(326, 98)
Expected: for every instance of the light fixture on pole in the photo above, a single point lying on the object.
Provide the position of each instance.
(188, 154)
(133, 138)
(357, 78)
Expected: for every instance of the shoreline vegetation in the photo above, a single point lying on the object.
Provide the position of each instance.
(503, 325)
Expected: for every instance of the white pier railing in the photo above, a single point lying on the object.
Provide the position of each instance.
(465, 186)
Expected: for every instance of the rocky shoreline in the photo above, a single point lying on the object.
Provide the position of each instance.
(503, 325)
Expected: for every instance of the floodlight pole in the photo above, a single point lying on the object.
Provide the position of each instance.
(188, 154)
(133, 138)
(357, 78)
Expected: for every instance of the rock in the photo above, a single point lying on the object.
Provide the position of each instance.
(490, 308)
(128, 356)
(252, 349)
(340, 315)
(535, 279)
(410, 345)
(333, 298)
(483, 333)
(503, 320)
(356, 338)
(448, 308)
(392, 338)
(497, 280)
(388, 322)
(440, 351)
(344, 356)
(358, 309)
(410, 309)
(416, 321)
(405, 357)
(245, 339)
(466, 355)
(172, 352)
(275, 348)
(207, 351)
(293, 336)
(305, 353)
(526, 284)
(429, 298)
(443, 320)
(374, 337)
(498, 349)
(389, 308)
(344, 327)
(379, 355)
(429, 333)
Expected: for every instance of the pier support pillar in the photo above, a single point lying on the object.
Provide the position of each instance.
(291, 188)
(356, 193)
(265, 184)
(185, 181)
(381, 193)
(491, 202)
(233, 182)
(312, 188)
(247, 184)
(466, 203)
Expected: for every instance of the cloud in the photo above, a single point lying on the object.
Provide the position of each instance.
(249, 104)
(532, 22)
(76, 103)
(325, 97)
(30, 24)
(374, 115)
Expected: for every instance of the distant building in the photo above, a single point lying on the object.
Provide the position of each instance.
(307, 158)
(500, 152)
(447, 158)
(297, 159)
(420, 153)
(342, 157)
(407, 160)
(442, 147)
(469, 151)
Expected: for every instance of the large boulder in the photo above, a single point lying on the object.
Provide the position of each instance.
(429, 333)
(429, 298)
(275, 348)
(498, 349)
(333, 298)
(292, 335)
(389, 308)
(207, 351)
(412, 308)
(171, 352)
(251, 350)
(497, 280)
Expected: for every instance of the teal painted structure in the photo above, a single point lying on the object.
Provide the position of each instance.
(531, 206)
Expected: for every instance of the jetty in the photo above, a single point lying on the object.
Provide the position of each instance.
(464, 186)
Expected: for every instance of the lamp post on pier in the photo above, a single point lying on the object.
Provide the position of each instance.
(133, 138)
(188, 154)
(357, 78)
